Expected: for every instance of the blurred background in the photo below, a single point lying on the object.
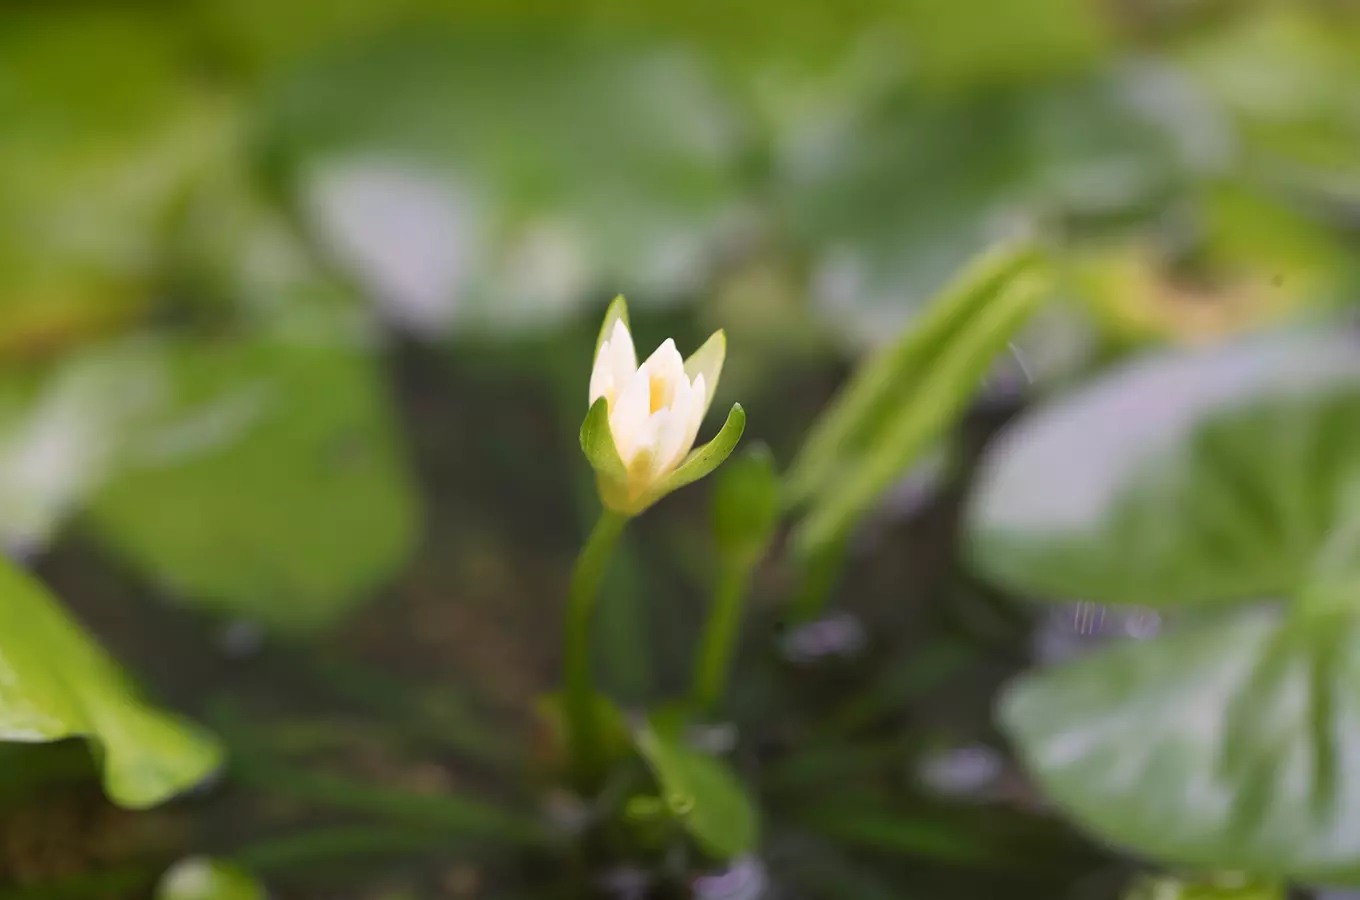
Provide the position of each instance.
(297, 302)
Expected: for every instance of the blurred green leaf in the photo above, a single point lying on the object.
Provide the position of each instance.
(1224, 745)
(955, 47)
(903, 399)
(201, 878)
(64, 428)
(1260, 259)
(543, 164)
(1284, 71)
(91, 166)
(1223, 887)
(894, 199)
(56, 683)
(702, 794)
(746, 505)
(1185, 478)
(272, 488)
(894, 204)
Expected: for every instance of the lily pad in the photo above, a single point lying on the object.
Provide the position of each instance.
(1194, 477)
(273, 487)
(56, 683)
(1228, 745)
(494, 184)
(64, 429)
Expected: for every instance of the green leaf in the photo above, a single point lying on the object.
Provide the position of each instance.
(702, 460)
(273, 488)
(91, 167)
(201, 878)
(702, 794)
(746, 505)
(1226, 745)
(1185, 478)
(905, 400)
(1221, 887)
(1023, 39)
(545, 163)
(708, 361)
(56, 683)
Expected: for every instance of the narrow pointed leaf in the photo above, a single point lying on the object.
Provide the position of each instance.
(56, 683)
(708, 361)
(618, 311)
(705, 459)
(922, 415)
(862, 412)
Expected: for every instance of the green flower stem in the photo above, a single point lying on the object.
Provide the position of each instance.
(713, 665)
(583, 731)
(821, 569)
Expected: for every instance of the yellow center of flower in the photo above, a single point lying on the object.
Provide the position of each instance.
(658, 393)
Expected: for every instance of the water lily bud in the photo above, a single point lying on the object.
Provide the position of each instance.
(644, 419)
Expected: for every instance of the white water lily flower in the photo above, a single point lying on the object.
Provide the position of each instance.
(651, 415)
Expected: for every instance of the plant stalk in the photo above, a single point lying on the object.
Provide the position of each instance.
(583, 729)
(713, 665)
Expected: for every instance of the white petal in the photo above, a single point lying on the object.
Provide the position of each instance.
(667, 367)
(628, 418)
(601, 376)
(666, 361)
(698, 406)
(622, 358)
(674, 429)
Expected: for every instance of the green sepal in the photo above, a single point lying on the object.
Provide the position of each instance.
(708, 361)
(618, 311)
(701, 461)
